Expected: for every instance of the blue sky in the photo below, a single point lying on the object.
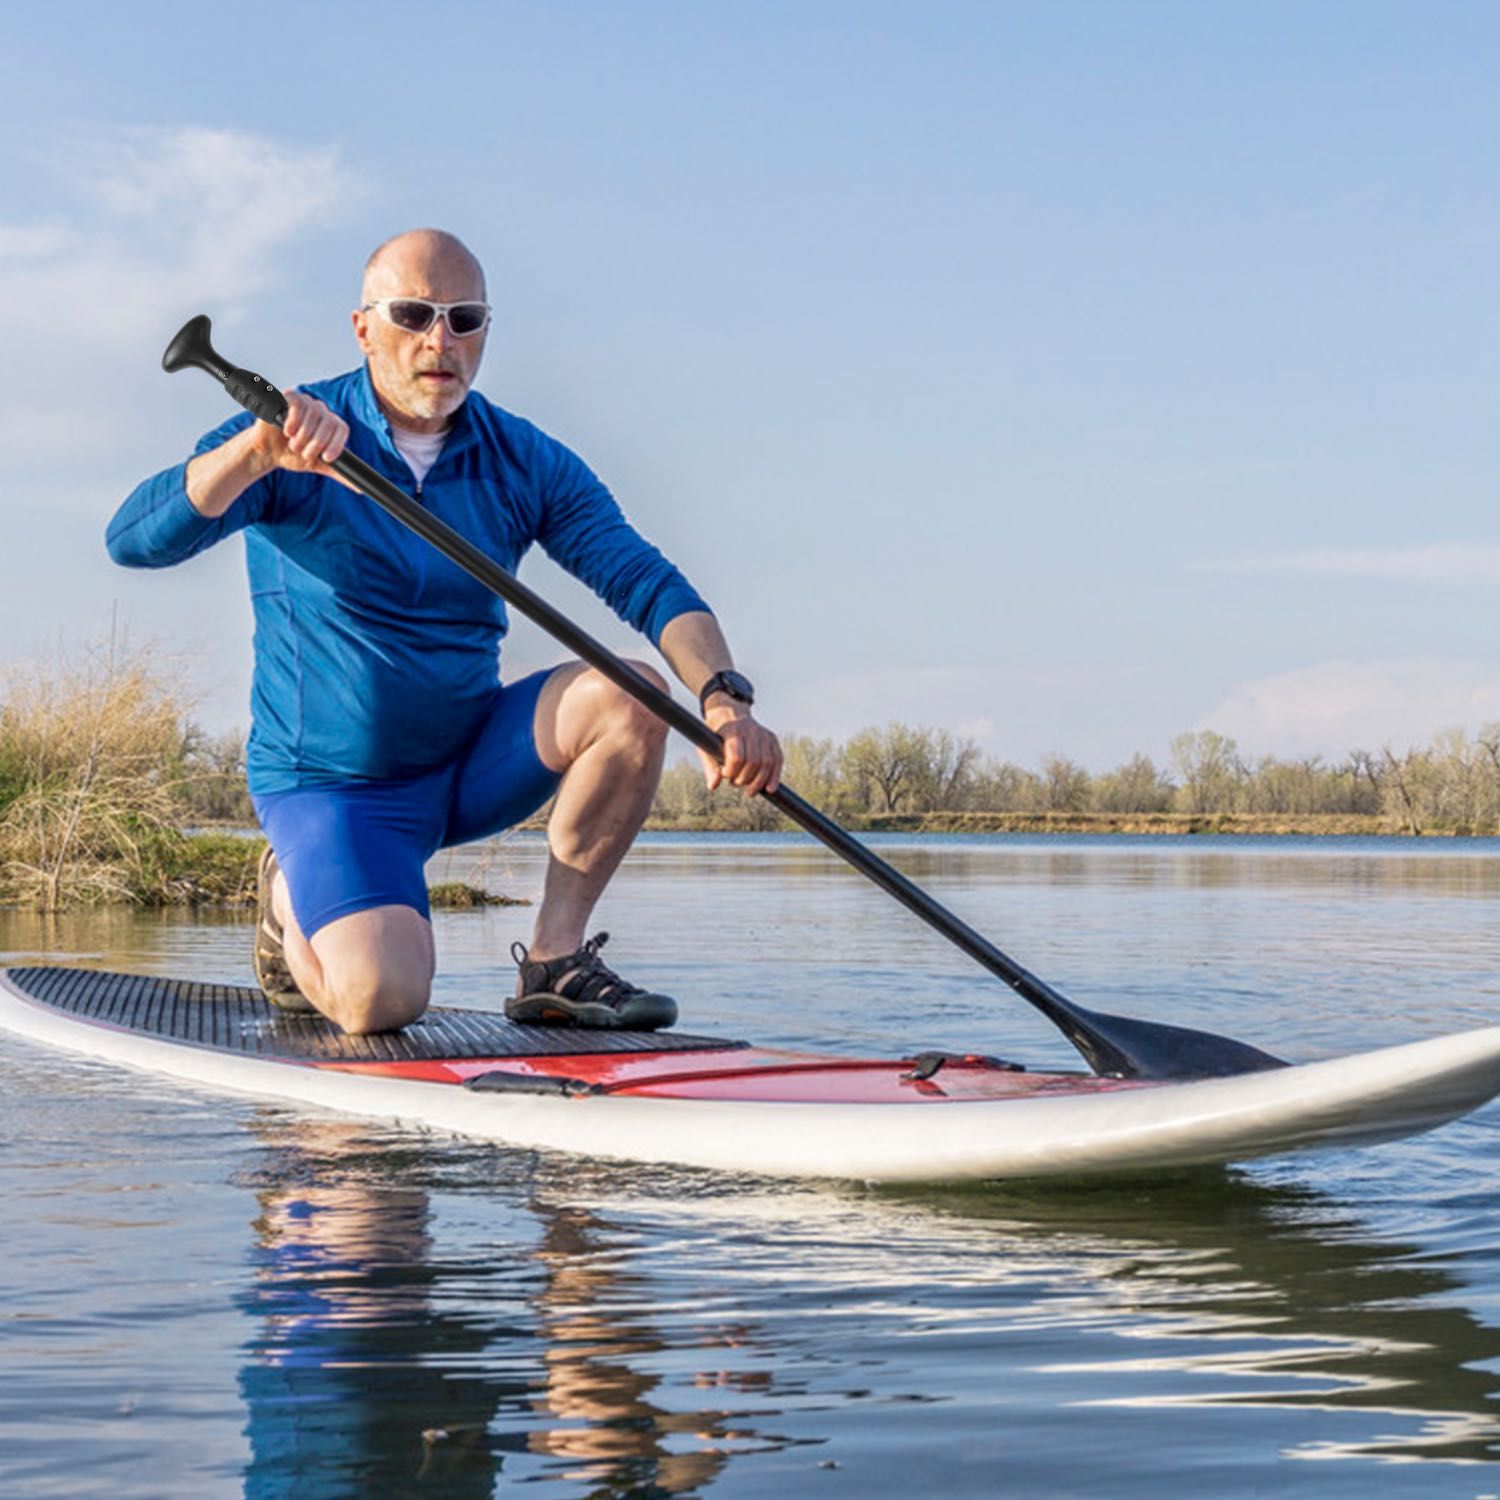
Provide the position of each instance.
(1068, 375)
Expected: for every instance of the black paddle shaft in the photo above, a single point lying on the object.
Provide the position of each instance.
(1113, 1045)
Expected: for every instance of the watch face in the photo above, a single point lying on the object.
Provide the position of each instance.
(736, 684)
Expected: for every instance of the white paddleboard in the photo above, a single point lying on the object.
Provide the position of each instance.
(700, 1102)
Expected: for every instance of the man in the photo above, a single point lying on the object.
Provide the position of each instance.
(380, 730)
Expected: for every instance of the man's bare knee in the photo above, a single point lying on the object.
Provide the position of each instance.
(630, 715)
(646, 670)
(582, 710)
(371, 1002)
(377, 969)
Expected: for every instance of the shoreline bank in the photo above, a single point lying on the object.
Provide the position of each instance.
(1288, 825)
(215, 867)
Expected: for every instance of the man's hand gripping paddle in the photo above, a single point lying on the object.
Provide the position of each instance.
(1116, 1046)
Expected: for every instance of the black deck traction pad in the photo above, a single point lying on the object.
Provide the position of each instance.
(233, 1018)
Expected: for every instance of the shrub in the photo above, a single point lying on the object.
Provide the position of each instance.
(86, 756)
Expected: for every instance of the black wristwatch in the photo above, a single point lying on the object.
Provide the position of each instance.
(736, 684)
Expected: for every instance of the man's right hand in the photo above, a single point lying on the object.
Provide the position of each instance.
(307, 442)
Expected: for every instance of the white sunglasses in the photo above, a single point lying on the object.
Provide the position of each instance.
(417, 314)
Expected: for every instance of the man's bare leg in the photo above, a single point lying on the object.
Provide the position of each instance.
(371, 971)
(610, 750)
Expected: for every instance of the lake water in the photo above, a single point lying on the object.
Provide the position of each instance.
(206, 1296)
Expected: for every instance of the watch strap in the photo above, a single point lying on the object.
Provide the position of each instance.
(736, 684)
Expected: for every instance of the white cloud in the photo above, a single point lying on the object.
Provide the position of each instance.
(166, 221)
(1434, 562)
(166, 217)
(1337, 706)
(35, 241)
(151, 226)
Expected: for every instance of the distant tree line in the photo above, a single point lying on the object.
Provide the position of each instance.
(107, 787)
(1451, 785)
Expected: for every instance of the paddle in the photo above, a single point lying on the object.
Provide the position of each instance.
(1113, 1045)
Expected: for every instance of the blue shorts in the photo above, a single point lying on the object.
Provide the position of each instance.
(348, 848)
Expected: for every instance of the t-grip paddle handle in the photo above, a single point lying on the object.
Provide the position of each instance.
(191, 347)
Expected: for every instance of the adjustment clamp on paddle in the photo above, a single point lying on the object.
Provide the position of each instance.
(257, 395)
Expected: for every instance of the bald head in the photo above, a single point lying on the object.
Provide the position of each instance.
(421, 375)
(420, 262)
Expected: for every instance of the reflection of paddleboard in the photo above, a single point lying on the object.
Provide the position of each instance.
(669, 1097)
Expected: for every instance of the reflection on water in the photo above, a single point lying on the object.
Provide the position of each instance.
(208, 944)
(1437, 866)
(648, 1333)
(1279, 1298)
(207, 1296)
(376, 1357)
(355, 1370)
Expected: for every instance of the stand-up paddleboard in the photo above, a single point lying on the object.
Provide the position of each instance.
(698, 1101)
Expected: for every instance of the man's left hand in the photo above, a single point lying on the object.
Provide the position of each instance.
(752, 753)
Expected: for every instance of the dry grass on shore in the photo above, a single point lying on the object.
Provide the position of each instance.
(100, 767)
(91, 754)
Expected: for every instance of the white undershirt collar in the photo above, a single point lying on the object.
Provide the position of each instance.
(419, 449)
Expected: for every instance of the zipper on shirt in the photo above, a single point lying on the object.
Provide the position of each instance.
(419, 555)
(420, 559)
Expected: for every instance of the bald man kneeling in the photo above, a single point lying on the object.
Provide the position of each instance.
(380, 729)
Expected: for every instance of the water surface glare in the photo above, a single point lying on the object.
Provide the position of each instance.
(207, 1296)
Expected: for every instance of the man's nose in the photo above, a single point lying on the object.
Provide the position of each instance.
(440, 336)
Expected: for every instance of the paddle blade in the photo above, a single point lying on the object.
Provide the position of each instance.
(1127, 1048)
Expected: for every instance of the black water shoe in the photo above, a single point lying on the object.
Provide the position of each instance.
(582, 990)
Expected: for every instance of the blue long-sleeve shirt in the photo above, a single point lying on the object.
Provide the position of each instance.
(376, 657)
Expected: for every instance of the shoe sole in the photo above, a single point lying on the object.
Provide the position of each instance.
(643, 1013)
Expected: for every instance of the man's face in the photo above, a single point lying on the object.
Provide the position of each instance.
(421, 378)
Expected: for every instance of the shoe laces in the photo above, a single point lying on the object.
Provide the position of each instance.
(585, 973)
